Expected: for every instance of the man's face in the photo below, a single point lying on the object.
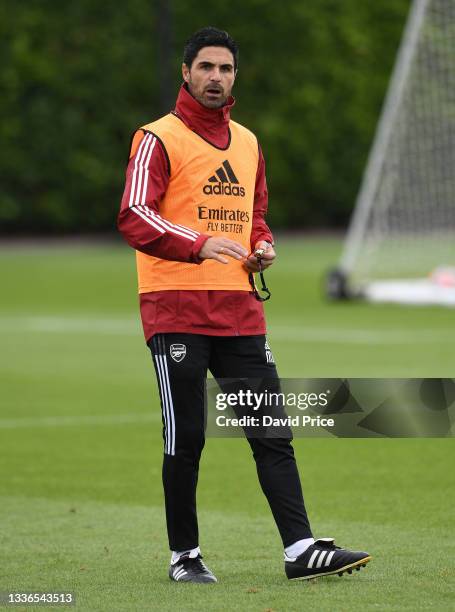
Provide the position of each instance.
(211, 76)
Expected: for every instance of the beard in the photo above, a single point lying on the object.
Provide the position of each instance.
(204, 98)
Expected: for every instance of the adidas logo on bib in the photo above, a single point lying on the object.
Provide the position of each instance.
(224, 182)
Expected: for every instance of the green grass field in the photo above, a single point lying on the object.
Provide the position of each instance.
(80, 447)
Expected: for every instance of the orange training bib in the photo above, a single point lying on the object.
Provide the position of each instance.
(211, 191)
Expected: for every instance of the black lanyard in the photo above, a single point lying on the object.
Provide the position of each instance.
(264, 286)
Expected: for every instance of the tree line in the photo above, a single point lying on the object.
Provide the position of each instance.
(77, 78)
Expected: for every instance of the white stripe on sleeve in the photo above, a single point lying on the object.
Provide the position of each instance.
(138, 194)
(172, 226)
(138, 166)
(142, 198)
(143, 169)
(148, 220)
(167, 226)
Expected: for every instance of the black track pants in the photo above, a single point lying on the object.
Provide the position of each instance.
(181, 363)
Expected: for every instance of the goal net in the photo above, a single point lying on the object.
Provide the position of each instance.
(400, 245)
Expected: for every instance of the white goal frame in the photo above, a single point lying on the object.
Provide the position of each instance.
(410, 291)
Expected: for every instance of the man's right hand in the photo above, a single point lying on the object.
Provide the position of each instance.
(215, 247)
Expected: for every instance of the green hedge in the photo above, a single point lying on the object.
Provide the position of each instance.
(78, 77)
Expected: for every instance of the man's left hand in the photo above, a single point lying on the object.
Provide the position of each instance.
(251, 262)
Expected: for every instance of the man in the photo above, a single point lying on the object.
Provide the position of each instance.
(193, 208)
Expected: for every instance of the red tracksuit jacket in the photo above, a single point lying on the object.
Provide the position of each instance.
(216, 313)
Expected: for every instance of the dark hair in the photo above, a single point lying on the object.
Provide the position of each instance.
(209, 37)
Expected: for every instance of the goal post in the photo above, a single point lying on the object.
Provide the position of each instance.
(400, 245)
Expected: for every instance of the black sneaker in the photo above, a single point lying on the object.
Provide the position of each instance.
(188, 569)
(324, 558)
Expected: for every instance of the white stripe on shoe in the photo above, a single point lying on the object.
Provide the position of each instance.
(321, 558)
(179, 574)
(329, 558)
(313, 558)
